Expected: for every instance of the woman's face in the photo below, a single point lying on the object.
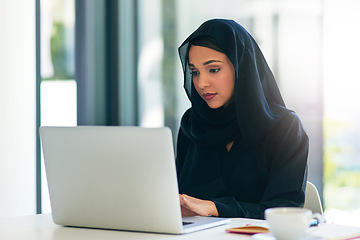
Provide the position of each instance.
(213, 75)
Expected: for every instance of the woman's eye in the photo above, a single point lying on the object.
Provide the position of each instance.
(194, 73)
(214, 70)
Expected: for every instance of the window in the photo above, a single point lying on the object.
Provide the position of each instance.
(58, 87)
(341, 117)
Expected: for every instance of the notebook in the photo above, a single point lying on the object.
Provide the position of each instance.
(115, 178)
(335, 232)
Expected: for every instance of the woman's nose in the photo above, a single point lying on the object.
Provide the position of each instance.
(203, 81)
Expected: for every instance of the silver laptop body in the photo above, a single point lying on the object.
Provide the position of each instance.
(115, 178)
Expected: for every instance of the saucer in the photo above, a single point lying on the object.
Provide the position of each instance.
(268, 236)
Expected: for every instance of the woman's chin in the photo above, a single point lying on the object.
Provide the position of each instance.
(215, 106)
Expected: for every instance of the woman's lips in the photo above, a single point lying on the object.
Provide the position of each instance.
(209, 96)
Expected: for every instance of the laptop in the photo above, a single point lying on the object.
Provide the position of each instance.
(116, 178)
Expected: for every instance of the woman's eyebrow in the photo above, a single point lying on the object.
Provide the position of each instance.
(205, 63)
(211, 61)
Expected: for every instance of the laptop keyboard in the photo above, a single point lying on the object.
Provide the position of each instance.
(187, 223)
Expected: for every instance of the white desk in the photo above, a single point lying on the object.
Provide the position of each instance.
(41, 227)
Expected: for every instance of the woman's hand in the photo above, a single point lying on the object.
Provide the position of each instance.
(191, 206)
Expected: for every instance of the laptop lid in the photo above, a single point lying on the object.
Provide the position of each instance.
(112, 177)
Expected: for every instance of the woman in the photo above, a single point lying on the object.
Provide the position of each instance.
(240, 150)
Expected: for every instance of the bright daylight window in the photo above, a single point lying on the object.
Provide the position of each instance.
(58, 86)
(341, 114)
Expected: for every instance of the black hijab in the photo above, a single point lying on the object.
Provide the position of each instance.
(257, 104)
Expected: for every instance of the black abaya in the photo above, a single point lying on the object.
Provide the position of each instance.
(267, 163)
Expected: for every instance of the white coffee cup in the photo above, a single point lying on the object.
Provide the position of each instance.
(289, 223)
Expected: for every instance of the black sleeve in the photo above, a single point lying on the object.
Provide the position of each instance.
(286, 149)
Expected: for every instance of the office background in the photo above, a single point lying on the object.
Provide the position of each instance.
(90, 62)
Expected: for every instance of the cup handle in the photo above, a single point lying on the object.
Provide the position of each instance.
(319, 219)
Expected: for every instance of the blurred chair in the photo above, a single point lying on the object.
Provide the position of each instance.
(312, 199)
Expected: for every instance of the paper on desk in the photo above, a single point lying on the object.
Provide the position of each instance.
(335, 232)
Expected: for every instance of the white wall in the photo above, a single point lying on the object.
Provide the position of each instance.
(17, 107)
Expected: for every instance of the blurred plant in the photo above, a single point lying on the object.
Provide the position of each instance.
(341, 178)
(59, 52)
